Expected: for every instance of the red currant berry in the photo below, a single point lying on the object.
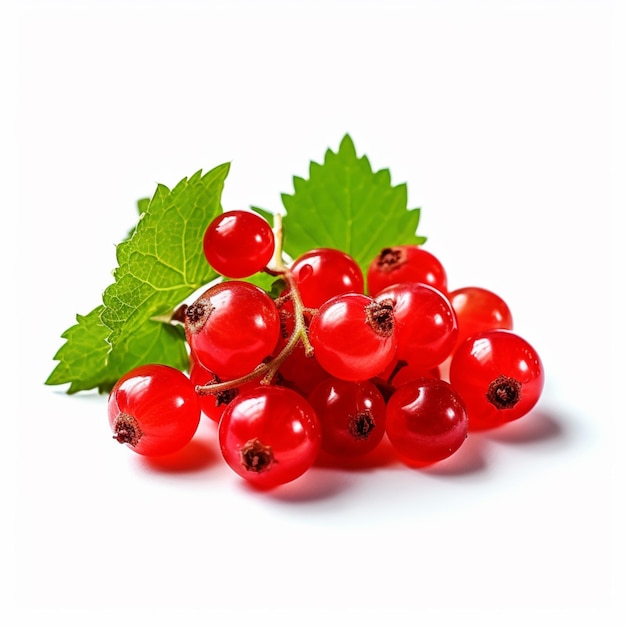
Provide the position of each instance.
(301, 372)
(426, 421)
(354, 336)
(426, 323)
(499, 375)
(213, 404)
(231, 328)
(298, 371)
(405, 264)
(269, 435)
(479, 309)
(352, 415)
(238, 244)
(401, 372)
(154, 409)
(325, 272)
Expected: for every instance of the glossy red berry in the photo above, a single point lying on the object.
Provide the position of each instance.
(298, 371)
(269, 435)
(426, 421)
(301, 372)
(353, 336)
(426, 323)
(326, 272)
(154, 410)
(401, 372)
(213, 404)
(478, 309)
(499, 375)
(405, 264)
(352, 416)
(231, 328)
(238, 244)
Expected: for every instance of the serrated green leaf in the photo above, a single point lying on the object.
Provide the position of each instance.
(86, 359)
(154, 342)
(160, 264)
(163, 263)
(83, 356)
(344, 204)
(142, 205)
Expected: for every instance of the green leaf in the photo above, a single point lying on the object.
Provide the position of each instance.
(154, 342)
(163, 262)
(142, 205)
(83, 357)
(344, 204)
(86, 359)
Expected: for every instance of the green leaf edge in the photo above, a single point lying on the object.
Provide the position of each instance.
(57, 376)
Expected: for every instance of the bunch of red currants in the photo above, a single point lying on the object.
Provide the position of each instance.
(334, 363)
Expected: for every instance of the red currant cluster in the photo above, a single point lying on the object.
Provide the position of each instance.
(334, 363)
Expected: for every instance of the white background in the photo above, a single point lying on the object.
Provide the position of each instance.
(503, 118)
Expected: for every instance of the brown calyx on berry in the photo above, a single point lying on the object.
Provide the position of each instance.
(223, 396)
(197, 314)
(361, 425)
(126, 429)
(180, 314)
(379, 315)
(256, 457)
(226, 396)
(390, 259)
(504, 392)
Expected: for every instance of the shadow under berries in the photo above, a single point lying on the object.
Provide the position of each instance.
(198, 455)
(381, 456)
(470, 458)
(315, 485)
(538, 426)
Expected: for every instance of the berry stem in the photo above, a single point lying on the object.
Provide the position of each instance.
(277, 264)
(267, 371)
